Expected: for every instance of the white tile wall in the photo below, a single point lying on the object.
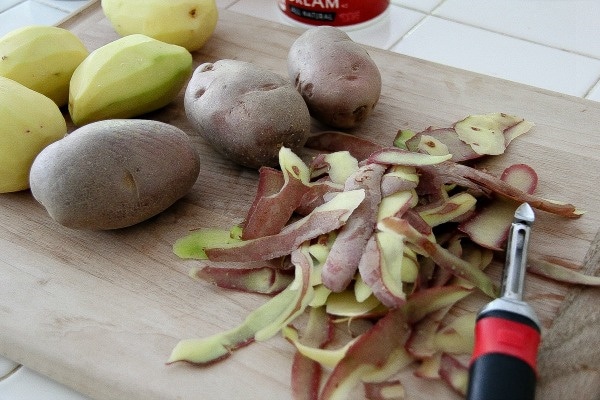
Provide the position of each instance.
(6, 4)
(571, 25)
(491, 53)
(551, 44)
(30, 13)
(25, 384)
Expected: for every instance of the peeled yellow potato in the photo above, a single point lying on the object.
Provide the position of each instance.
(42, 58)
(29, 122)
(187, 23)
(128, 77)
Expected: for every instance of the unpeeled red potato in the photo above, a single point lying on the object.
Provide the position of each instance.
(337, 78)
(245, 112)
(114, 173)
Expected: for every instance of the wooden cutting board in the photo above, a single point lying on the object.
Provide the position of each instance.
(101, 311)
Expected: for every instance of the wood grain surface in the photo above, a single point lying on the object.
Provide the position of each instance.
(101, 311)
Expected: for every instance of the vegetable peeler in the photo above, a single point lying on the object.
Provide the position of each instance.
(507, 331)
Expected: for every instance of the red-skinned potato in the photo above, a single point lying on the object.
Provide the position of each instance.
(336, 76)
(246, 112)
(114, 173)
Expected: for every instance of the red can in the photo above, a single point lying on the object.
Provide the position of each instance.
(333, 12)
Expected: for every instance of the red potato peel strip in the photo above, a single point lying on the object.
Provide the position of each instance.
(441, 256)
(192, 245)
(398, 179)
(460, 150)
(490, 133)
(421, 343)
(306, 373)
(375, 272)
(269, 213)
(348, 247)
(301, 284)
(261, 324)
(220, 346)
(328, 358)
(458, 336)
(477, 256)
(397, 204)
(416, 221)
(502, 188)
(472, 137)
(396, 156)
(389, 390)
(306, 378)
(430, 300)
(315, 196)
(454, 208)
(263, 280)
(560, 273)
(369, 354)
(331, 141)
(361, 290)
(402, 137)
(454, 373)
(429, 368)
(430, 145)
(338, 165)
(270, 181)
(489, 226)
(345, 304)
(521, 176)
(325, 218)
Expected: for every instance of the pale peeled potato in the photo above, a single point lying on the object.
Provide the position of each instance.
(114, 173)
(245, 112)
(42, 58)
(29, 121)
(186, 23)
(126, 78)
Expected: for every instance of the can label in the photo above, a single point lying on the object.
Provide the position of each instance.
(333, 12)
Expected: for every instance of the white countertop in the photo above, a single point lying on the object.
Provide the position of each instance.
(550, 44)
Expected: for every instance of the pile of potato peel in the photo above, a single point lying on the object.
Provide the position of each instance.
(358, 234)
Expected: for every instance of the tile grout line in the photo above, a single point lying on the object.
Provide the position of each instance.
(13, 6)
(10, 373)
(591, 89)
(52, 5)
(433, 10)
(414, 27)
(232, 4)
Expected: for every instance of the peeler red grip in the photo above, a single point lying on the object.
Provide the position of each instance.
(504, 336)
(503, 365)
